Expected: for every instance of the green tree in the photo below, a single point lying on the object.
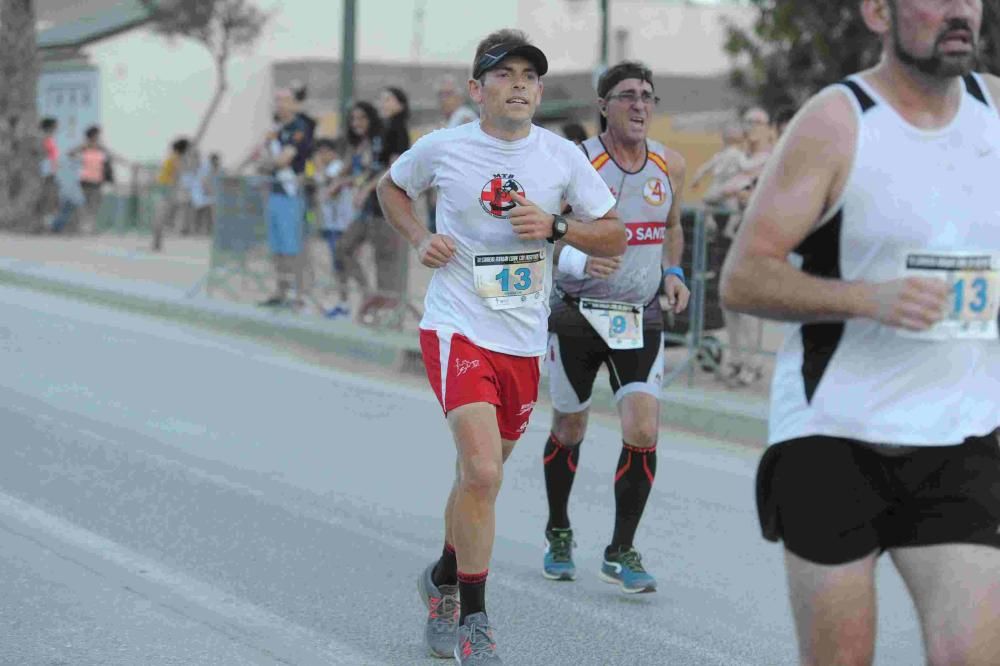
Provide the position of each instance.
(796, 47)
(223, 27)
(20, 142)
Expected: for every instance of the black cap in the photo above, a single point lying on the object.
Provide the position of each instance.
(495, 55)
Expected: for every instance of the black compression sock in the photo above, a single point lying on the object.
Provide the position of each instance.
(560, 463)
(633, 481)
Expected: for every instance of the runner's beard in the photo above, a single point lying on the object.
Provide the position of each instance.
(936, 64)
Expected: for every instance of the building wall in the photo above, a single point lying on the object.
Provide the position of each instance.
(153, 90)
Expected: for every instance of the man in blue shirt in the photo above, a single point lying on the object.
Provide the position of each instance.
(286, 153)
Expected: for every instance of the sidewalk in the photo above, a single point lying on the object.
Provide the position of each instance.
(120, 271)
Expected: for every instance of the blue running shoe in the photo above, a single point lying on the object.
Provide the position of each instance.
(558, 563)
(624, 567)
(339, 311)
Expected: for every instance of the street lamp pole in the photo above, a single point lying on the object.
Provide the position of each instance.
(347, 60)
(604, 34)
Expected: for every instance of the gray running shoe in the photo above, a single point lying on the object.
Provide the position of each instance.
(476, 646)
(442, 614)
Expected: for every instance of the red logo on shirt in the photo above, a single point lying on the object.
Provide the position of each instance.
(495, 198)
(646, 233)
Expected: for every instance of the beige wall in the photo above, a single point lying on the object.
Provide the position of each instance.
(154, 90)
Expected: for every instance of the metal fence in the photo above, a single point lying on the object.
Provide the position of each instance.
(702, 329)
(240, 265)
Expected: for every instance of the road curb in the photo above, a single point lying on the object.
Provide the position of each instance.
(704, 412)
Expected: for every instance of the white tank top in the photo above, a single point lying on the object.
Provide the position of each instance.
(917, 202)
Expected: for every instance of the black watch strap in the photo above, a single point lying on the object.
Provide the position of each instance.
(559, 228)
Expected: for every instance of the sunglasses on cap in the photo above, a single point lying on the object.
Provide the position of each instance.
(492, 57)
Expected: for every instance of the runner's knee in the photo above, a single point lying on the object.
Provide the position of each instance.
(641, 434)
(569, 429)
(481, 475)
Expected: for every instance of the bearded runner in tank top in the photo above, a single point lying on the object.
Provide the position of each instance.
(886, 399)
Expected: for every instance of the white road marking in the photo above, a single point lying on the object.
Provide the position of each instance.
(258, 627)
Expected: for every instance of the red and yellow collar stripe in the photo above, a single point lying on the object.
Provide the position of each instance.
(600, 161)
(658, 161)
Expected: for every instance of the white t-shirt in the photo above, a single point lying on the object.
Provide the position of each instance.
(338, 210)
(473, 174)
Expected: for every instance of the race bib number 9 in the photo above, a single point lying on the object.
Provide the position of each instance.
(974, 293)
(618, 324)
(511, 280)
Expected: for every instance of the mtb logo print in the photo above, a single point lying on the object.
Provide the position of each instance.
(462, 367)
(495, 198)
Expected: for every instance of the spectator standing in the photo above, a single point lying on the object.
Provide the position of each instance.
(95, 170)
(364, 138)
(336, 208)
(455, 111)
(175, 191)
(203, 194)
(574, 132)
(48, 198)
(723, 167)
(742, 367)
(390, 253)
(451, 101)
(286, 154)
(760, 142)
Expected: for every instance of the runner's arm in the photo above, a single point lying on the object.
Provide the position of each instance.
(398, 208)
(604, 237)
(797, 186)
(673, 244)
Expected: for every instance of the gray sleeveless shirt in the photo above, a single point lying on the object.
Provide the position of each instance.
(644, 201)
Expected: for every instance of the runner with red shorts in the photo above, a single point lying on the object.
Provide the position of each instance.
(499, 183)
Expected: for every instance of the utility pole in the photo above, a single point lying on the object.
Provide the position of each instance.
(604, 34)
(347, 60)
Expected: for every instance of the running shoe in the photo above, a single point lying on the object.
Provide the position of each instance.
(625, 568)
(476, 646)
(273, 302)
(338, 311)
(558, 563)
(442, 614)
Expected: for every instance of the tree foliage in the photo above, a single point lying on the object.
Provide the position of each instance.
(223, 27)
(796, 47)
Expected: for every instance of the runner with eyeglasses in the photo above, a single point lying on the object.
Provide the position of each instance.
(607, 312)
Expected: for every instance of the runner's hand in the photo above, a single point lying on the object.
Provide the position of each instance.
(677, 293)
(436, 250)
(529, 221)
(602, 267)
(912, 303)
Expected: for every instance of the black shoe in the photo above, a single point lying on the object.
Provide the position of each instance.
(273, 302)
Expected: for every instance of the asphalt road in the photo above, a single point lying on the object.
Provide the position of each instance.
(174, 496)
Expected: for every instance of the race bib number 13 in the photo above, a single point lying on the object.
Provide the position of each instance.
(510, 280)
(974, 293)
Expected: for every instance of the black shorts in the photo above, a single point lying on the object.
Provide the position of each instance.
(572, 363)
(833, 501)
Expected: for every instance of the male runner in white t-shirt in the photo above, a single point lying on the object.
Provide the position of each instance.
(500, 184)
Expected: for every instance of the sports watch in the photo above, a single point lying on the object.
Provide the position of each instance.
(559, 228)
